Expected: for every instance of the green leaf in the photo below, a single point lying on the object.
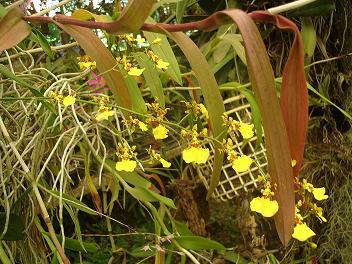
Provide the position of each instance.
(211, 94)
(39, 38)
(160, 3)
(15, 228)
(135, 179)
(165, 52)
(346, 114)
(2, 11)
(146, 195)
(183, 229)
(151, 76)
(75, 221)
(75, 245)
(220, 51)
(138, 103)
(54, 259)
(180, 9)
(70, 200)
(130, 177)
(234, 257)
(309, 36)
(236, 41)
(197, 243)
(12, 29)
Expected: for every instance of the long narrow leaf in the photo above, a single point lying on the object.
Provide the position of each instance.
(294, 92)
(165, 52)
(276, 139)
(211, 94)
(151, 76)
(106, 63)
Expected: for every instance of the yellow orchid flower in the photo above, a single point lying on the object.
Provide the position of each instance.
(160, 132)
(165, 163)
(142, 126)
(162, 65)
(134, 71)
(126, 165)
(104, 115)
(85, 62)
(319, 194)
(197, 155)
(68, 100)
(242, 163)
(246, 130)
(302, 232)
(264, 206)
(203, 110)
(156, 41)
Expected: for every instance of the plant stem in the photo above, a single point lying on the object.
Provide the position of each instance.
(290, 6)
(3, 256)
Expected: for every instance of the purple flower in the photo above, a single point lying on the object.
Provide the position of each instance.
(97, 81)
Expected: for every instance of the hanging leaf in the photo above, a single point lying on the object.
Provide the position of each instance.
(39, 38)
(12, 29)
(236, 41)
(165, 52)
(146, 195)
(151, 76)
(71, 201)
(212, 98)
(131, 19)
(294, 92)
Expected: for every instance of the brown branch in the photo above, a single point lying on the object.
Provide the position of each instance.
(207, 24)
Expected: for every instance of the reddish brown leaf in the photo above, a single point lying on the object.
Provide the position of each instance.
(106, 63)
(294, 92)
(12, 29)
(262, 79)
(276, 139)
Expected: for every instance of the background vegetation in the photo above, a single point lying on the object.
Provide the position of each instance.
(52, 173)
